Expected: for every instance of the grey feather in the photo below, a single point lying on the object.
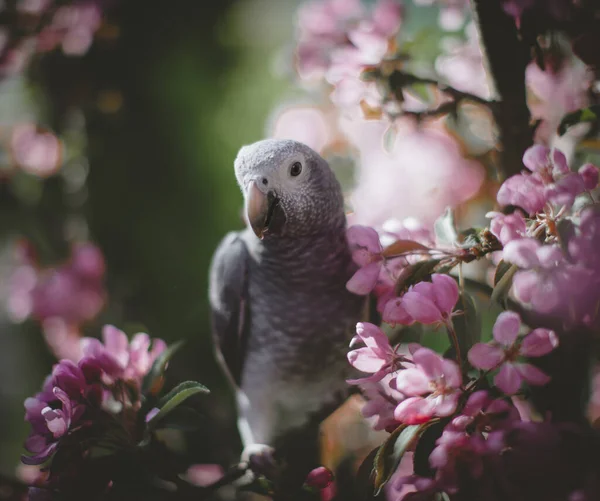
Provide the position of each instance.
(227, 296)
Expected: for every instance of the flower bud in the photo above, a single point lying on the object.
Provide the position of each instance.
(319, 478)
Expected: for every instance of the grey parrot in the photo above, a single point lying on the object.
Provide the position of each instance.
(282, 317)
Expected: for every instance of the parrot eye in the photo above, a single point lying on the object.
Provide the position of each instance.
(295, 169)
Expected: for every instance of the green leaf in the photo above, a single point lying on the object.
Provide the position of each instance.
(503, 281)
(182, 418)
(590, 114)
(391, 452)
(363, 480)
(389, 138)
(158, 368)
(445, 229)
(421, 91)
(175, 397)
(467, 326)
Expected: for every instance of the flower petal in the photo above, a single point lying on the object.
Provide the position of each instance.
(365, 279)
(429, 362)
(395, 313)
(412, 382)
(535, 158)
(539, 342)
(117, 344)
(522, 252)
(365, 360)
(507, 326)
(508, 379)
(373, 337)
(446, 292)
(415, 410)
(485, 356)
(421, 308)
(445, 404)
(533, 375)
(363, 237)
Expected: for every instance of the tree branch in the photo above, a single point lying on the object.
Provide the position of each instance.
(506, 59)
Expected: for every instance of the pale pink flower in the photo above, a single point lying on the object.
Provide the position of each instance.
(377, 357)
(382, 400)
(507, 227)
(506, 350)
(432, 388)
(35, 151)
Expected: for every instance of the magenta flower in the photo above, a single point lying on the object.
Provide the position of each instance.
(483, 414)
(377, 357)
(432, 388)
(431, 302)
(57, 409)
(35, 151)
(366, 252)
(319, 478)
(506, 350)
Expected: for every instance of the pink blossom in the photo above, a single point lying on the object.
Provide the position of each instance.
(120, 358)
(432, 388)
(431, 302)
(319, 478)
(550, 180)
(377, 357)
(382, 400)
(589, 174)
(204, 474)
(35, 151)
(507, 227)
(506, 349)
(556, 92)
(483, 414)
(73, 292)
(388, 185)
(366, 252)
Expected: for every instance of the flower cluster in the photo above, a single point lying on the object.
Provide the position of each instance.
(44, 26)
(414, 386)
(337, 40)
(78, 397)
(553, 243)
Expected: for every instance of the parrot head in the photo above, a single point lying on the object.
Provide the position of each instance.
(288, 188)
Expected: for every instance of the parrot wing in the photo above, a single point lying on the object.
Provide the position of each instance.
(229, 305)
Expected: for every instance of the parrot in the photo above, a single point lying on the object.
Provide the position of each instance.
(282, 317)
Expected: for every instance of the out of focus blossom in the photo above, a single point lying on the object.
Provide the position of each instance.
(432, 388)
(73, 292)
(36, 152)
(203, 475)
(309, 125)
(554, 93)
(461, 64)
(452, 12)
(504, 353)
(424, 173)
(507, 227)
(319, 478)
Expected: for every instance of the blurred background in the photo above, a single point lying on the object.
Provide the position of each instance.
(150, 120)
(119, 124)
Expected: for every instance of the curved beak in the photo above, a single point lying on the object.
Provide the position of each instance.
(260, 209)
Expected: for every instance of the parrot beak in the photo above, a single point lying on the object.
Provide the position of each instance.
(262, 210)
